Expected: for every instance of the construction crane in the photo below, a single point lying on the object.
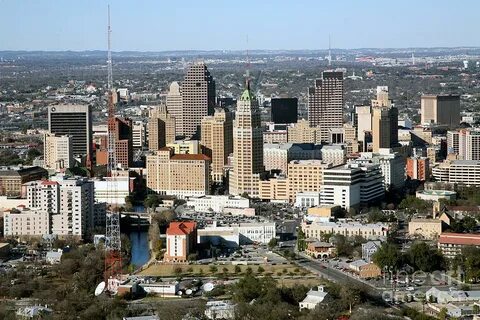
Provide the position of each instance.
(113, 255)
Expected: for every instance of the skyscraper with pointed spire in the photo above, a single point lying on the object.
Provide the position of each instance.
(247, 146)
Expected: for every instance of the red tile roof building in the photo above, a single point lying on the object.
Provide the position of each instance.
(181, 241)
(451, 244)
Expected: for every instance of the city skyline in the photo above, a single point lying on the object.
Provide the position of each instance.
(152, 26)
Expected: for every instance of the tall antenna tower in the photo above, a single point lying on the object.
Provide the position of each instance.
(247, 73)
(329, 52)
(113, 256)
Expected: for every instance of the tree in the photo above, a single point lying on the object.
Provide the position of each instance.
(152, 201)
(375, 215)
(237, 269)
(154, 237)
(476, 309)
(442, 315)
(272, 243)
(128, 203)
(351, 296)
(301, 244)
(343, 246)
(213, 269)
(412, 204)
(425, 258)
(388, 255)
(178, 271)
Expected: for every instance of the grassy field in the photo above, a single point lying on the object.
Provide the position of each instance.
(172, 270)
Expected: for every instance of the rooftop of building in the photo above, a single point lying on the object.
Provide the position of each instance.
(437, 192)
(22, 171)
(349, 224)
(181, 228)
(460, 239)
(197, 157)
(426, 220)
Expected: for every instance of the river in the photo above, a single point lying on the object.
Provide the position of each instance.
(139, 241)
(140, 250)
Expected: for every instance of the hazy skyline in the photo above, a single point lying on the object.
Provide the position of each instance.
(147, 25)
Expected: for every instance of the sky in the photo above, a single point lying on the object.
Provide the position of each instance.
(159, 25)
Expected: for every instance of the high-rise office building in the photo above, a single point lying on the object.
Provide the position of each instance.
(325, 102)
(174, 103)
(441, 109)
(124, 142)
(57, 151)
(198, 98)
(384, 121)
(380, 128)
(284, 110)
(75, 121)
(217, 139)
(139, 135)
(363, 120)
(161, 128)
(247, 147)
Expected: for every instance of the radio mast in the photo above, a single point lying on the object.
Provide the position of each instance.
(113, 255)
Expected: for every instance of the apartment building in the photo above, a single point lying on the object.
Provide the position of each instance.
(26, 222)
(181, 175)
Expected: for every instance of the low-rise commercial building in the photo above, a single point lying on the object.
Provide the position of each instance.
(11, 180)
(425, 228)
(451, 244)
(347, 229)
(113, 191)
(217, 203)
(233, 235)
(307, 199)
(320, 249)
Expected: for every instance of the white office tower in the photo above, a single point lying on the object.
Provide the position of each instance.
(391, 163)
(351, 185)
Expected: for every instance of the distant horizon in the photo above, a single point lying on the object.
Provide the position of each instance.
(242, 50)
